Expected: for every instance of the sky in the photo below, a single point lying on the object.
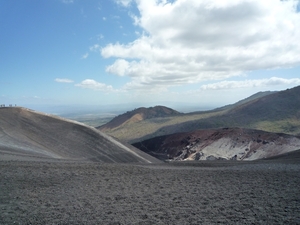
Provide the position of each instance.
(131, 53)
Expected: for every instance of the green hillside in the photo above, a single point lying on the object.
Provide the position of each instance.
(268, 111)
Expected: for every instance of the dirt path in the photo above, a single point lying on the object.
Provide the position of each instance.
(205, 193)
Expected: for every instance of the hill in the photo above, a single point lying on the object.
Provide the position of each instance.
(277, 112)
(269, 111)
(246, 100)
(138, 115)
(220, 144)
(30, 135)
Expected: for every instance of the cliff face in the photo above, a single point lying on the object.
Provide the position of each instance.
(220, 144)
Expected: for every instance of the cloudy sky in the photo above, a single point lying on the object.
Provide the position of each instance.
(206, 53)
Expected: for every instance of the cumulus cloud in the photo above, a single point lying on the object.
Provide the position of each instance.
(273, 81)
(92, 84)
(193, 41)
(63, 80)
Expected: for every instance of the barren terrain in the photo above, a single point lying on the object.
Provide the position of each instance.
(31, 135)
(220, 144)
(55, 171)
(223, 192)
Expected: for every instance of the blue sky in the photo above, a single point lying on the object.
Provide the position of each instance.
(205, 53)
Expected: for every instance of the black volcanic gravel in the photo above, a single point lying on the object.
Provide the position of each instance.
(263, 192)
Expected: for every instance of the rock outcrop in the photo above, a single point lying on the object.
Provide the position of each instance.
(220, 144)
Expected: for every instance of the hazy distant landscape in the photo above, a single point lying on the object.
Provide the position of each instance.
(94, 120)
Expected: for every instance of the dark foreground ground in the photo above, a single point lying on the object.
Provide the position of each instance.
(265, 192)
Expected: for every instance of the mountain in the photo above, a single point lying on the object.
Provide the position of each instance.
(246, 100)
(220, 144)
(31, 135)
(276, 112)
(272, 107)
(269, 111)
(138, 115)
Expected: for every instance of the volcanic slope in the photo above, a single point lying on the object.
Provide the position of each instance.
(30, 135)
(138, 115)
(220, 144)
(277, 112)
(246, 100)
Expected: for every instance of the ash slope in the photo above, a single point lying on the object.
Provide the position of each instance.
(30, 135)
(214, 144)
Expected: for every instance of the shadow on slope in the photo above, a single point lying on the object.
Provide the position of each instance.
(293, 156)
(220, 144)
(26, 134)
(273, 112)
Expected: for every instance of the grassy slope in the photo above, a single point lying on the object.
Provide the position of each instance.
(269, 111)
(277, 112)
(138, 115)
(155, 127)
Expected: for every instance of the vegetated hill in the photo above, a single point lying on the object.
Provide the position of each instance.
(246, 100)
(269, 111)
(220, 144)
(29, 135)
(278, 112)
(273, 107)
(137, 115)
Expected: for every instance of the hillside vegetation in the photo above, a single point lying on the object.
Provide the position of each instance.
(269, 111)
(144, 129)
(138, 115)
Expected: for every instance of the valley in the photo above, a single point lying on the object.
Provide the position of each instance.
(206, 167)
(277, 112)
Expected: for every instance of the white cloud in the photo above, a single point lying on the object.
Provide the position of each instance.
(100, 36)
(95, 48)
(92, 84)
(63, 80)
(85, 56)
(120, 67)
(193, 41)
(273, 81)
(68, 1)
(125, 3)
